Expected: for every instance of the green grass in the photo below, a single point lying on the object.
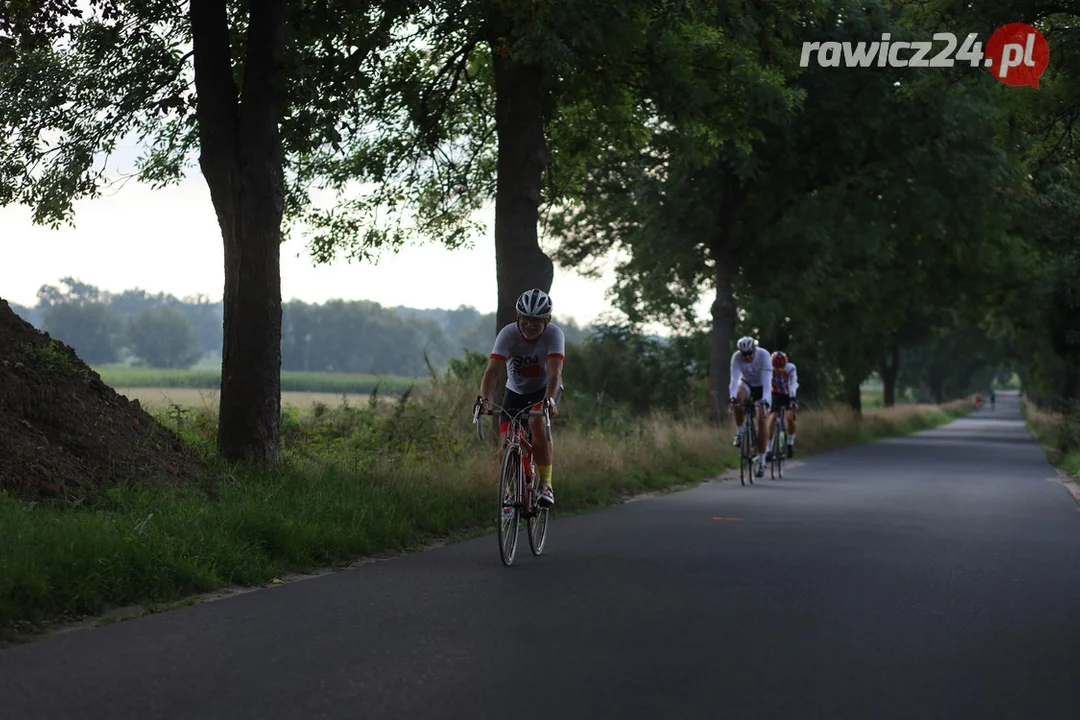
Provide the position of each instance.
(1070, 463)
(356, 481)
(1058, 434)
(210, 379)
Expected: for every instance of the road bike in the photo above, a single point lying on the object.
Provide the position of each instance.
(777, 445)
(748, 450)
(519, 491)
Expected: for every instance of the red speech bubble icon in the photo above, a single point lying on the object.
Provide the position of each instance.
(1017, 54)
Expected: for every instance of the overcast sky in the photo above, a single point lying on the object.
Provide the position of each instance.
(168, 240)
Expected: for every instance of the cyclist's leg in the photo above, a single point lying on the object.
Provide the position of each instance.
(740, 401)
(512, 403)
(771, 430)
(790, 427)
(756, 394)
(778, 406)
(543, 449)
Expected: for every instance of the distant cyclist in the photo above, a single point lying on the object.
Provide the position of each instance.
(751, 364)
(785, 383)
(993, 399)
(533, 351)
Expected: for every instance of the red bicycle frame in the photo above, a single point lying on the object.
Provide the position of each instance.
(523, 443)
(525, 457)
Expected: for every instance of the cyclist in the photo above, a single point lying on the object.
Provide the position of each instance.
(993, 398)
(785, 383)
(533, 351)
(751, 364)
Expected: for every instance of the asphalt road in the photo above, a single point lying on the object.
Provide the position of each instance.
(932, 576)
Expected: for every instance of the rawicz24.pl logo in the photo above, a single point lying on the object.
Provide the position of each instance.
(1016, 54)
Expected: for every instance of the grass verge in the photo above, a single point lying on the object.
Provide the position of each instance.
(355, 481)
(1058, 434)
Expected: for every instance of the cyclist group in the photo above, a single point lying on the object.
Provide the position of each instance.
(771, 382)
(533, 351)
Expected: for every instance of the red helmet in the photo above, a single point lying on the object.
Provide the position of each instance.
(779, 359)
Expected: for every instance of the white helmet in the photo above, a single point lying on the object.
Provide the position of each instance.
(534, 303)
(747, 344)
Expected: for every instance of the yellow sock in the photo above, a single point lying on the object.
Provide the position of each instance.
(545, 474)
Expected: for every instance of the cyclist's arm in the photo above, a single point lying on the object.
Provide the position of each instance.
(766, 383)
(554, 377)
(500, 351)
(794, 381)
(555, 358)
(491, 376)
(735, 375)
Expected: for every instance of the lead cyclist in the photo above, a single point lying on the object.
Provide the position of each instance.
(533, 351)
(750, 364)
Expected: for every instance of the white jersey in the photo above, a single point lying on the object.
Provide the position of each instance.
(526, 361)
(756, 373)
(786, 380)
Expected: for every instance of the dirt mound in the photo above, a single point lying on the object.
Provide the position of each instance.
(63, 431)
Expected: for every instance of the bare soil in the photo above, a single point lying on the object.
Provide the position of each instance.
(64, 432)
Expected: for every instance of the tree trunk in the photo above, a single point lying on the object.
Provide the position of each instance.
(723, 307)
(242, 159)
(723, 328)
(889, 371)
(853, 391)
(937, 387)
(520, 264)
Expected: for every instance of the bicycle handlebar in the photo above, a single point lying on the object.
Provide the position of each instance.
(748, 403)
(478, 411)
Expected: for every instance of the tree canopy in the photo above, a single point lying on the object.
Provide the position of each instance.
(916, 225)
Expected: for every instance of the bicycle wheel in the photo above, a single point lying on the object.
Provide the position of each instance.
(537, 522)
(770, 449)
(509, 517)
(749, 440)
(778, 451)
(742, 457)
(783, 449)
(752, 447)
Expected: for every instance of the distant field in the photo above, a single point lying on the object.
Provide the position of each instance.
(159, 398)
(122, 376)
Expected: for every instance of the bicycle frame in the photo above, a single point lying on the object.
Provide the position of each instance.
(750, 408)
(781, 425)
(750, 428)
(776, 444)
(749, 435)
(518, 437)
(522, 500)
